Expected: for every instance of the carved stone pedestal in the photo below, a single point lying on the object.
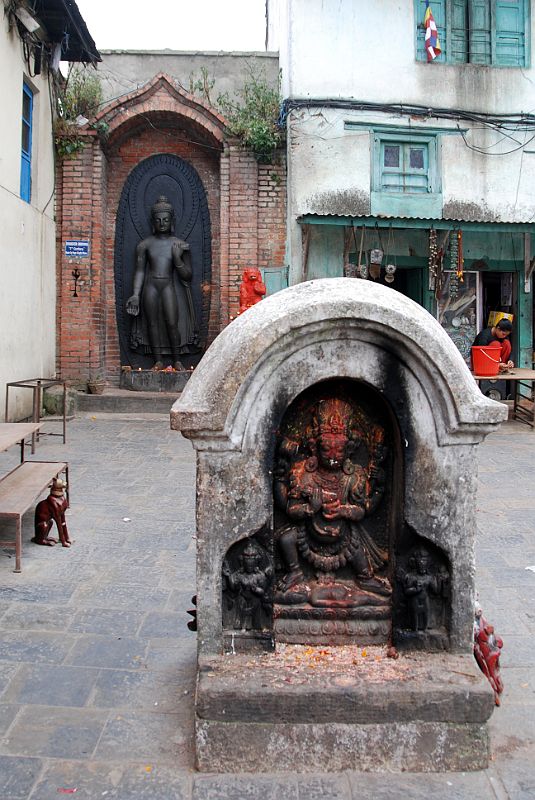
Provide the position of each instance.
(333, 709)
(147, 380)
(306, 625)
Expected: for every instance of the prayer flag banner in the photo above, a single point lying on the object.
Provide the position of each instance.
(432, 44)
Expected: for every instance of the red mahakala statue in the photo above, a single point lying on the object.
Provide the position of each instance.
(51, 510)
(487, 649)
(252, 288)
(325, 495)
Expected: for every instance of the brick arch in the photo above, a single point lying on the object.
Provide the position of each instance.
(161, 96)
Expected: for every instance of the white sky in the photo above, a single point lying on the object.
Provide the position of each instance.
(175, 24)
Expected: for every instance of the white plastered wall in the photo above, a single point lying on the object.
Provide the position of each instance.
(27, 234)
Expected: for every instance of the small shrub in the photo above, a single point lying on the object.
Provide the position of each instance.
(253, 116)
(82, 95)
(67, 139)
(202, 85)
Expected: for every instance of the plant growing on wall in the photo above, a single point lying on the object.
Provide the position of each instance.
(202, 85)
(78, 101)
(82, 95)
(253, 114)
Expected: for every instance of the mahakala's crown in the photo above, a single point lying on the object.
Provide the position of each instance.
(334, 416)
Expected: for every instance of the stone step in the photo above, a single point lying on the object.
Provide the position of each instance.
(122, 401)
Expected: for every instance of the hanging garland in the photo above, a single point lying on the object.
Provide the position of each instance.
(433, 260)
(442, 250)
(460, 260)
(454, 264)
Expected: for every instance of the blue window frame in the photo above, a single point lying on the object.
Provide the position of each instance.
(492, 32)
(26, 144)
(406, 174)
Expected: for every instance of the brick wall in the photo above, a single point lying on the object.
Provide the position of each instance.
(79, 215)
(272, 213)
(256, 219)
(246, 203)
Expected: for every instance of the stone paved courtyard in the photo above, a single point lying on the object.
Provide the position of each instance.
(97, 665)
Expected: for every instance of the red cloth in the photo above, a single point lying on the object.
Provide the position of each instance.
(505, 350)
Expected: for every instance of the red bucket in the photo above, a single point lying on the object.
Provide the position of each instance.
(486, 360)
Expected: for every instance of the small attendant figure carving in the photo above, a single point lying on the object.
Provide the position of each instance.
(252, 288)
(418, 584)
(250, 586)
(163, 265)
(487, 649)
(51, 510)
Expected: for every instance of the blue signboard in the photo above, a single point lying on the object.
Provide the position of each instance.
(76, 249)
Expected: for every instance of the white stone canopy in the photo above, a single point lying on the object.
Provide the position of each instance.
(256, 345)
(340, 328)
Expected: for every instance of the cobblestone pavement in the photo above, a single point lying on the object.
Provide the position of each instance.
(97, 665)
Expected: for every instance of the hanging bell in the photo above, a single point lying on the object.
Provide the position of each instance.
(375, 271)
(390, 270)
(376, 256)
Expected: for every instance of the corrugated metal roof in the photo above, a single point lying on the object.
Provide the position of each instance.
(402, 221)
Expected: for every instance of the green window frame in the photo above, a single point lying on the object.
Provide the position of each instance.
(490, 32)
(406, 174)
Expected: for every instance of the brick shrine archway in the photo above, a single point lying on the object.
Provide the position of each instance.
(246, 205)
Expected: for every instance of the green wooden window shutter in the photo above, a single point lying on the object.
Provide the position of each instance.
(479, 21)
(510, 36)
(458, 52)
(404, 167)
(438, 9)
(477, 31)
(415, 168)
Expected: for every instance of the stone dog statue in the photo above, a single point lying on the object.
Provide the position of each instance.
(52, 509)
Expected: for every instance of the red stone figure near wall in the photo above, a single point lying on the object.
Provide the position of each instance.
(252, 288)
(487, 650)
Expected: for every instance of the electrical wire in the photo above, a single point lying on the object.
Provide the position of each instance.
(506, 121)
(487, 153)
(502, 124)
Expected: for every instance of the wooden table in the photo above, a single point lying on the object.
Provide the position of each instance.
(37, 385)
(15, 433)
(23, 485)
(523, 399)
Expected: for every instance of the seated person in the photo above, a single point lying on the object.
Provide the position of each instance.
(498, 334)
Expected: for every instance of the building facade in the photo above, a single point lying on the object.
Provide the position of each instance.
(430, 163)
(31, 44)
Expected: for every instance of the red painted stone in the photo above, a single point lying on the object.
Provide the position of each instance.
(252, 288)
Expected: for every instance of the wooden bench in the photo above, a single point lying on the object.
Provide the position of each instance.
(20, 489)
